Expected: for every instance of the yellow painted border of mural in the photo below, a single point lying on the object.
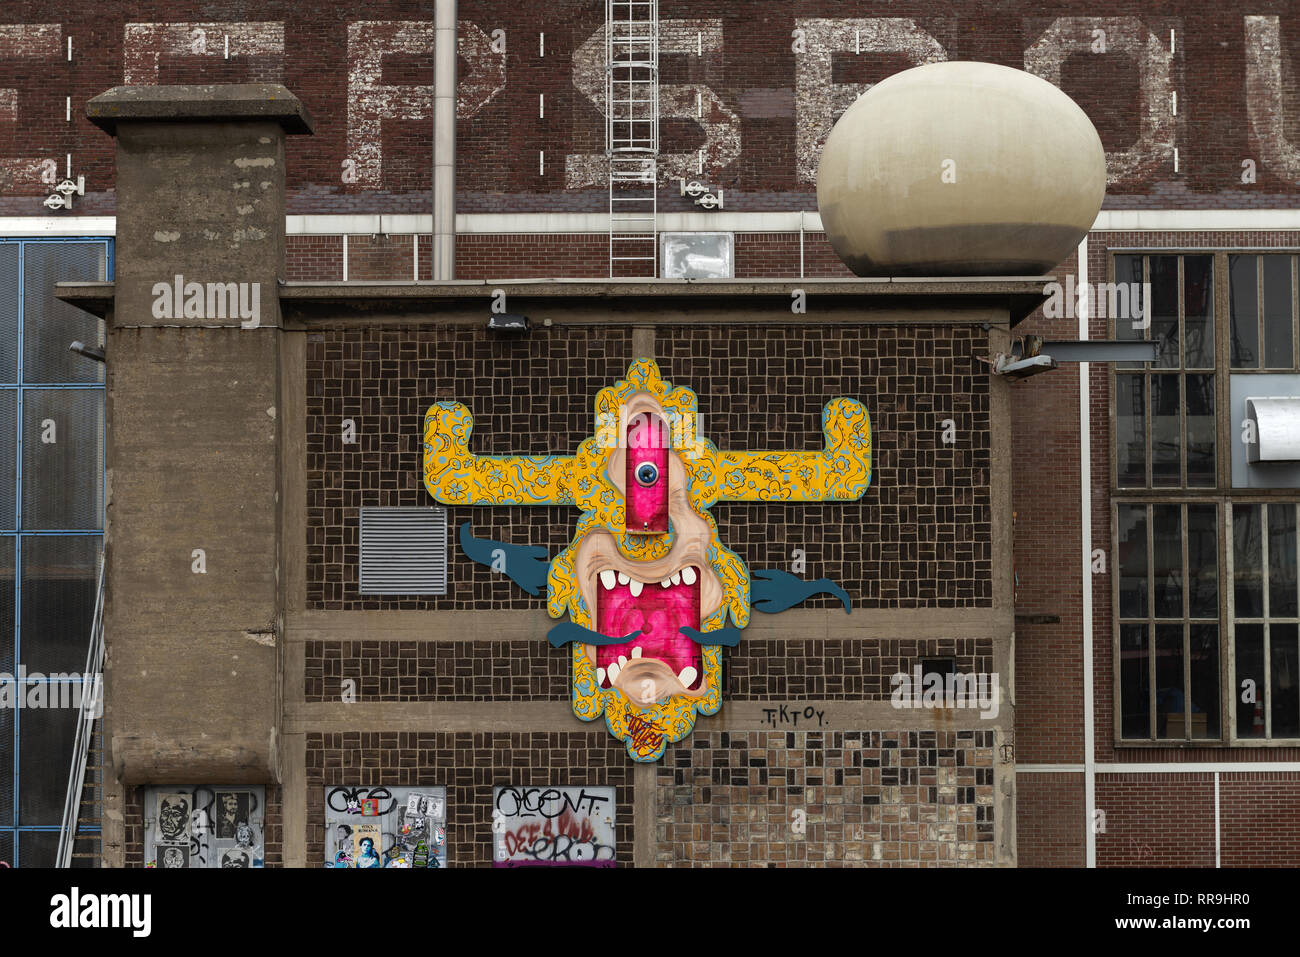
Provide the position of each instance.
(454, 475)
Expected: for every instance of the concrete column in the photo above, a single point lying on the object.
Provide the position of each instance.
(193, 545)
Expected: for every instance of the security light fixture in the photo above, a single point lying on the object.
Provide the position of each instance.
(507, 322)
(90, 352)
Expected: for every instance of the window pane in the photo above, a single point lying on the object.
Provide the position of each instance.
(7, 847)
(1135, 685)
(37, 848)
(8, 457)
(1200, 430)
(60, 575)
(7, 548)
(1277, 311)
(1244, 294)
(1130, 443)
(1166, 441)
(1203, 561)
(50, 326)
(8, 312)
(1198, 311)
(1128, 274)
(1167, 568)
(1247, 562)
(6, 766)
(1204, 646)
(63, 458)
(45, 738)
(1132, 561)
(1284, 697)
(1164, 309)
(1281, 561)
(1250, 667)
(1170, 700)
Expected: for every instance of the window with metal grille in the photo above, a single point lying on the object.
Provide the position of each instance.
(51, 528)
(403, 551)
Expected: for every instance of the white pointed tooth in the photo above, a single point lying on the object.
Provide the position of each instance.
(623, 579)
(677, 578)
(614, 669)
(607, 578)
(687, 677)
(600, 677)
(666, 583)
(635, 588)
(622, 661)
(636, 652)
(688, 575)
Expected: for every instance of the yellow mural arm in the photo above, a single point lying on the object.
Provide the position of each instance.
(841, 472)
(456, 476)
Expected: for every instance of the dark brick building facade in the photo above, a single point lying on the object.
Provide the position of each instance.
(1196, 107)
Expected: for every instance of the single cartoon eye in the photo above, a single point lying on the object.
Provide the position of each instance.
(647, 473)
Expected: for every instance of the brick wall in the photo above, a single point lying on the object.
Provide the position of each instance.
(921, 536)
(364, 68)
(827, 799)
(759, 669)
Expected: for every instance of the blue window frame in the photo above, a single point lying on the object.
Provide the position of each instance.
(51, 526)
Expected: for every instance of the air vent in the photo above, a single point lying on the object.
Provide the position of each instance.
(403, 551)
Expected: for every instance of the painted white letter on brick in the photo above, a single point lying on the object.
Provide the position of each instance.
(818, 101)
(1264, 103)
(145, 44)
(720, 124)
(26, 174)
(371, 100)
(1125, 36)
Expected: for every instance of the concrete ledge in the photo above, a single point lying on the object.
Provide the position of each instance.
(213, 103)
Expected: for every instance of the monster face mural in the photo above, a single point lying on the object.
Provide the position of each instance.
(651, 594)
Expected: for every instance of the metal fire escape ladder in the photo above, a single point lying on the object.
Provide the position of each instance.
(632, 134)
(82, 802)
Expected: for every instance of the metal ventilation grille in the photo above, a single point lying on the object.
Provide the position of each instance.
(404, 551)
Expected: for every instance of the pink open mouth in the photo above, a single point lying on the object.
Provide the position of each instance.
(658, 609)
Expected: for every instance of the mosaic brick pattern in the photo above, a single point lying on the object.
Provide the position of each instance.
(910, 798)
(759, 669)
(920, 537)
(468, 765)
(133, 826)
(437, 670)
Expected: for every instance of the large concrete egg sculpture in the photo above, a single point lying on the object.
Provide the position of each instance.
(960, 169)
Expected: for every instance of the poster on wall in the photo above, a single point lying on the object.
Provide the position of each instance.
(401, 827)
(204, 827)
(553, 826)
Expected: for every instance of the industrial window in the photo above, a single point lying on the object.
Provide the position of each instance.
(1164, 410)
(1167, 596)
(51, 529)
(1263, 306)
(1265, 621)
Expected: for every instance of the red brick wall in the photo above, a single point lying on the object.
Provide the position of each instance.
(759, 94)
(1049, 820)
(1156, 820)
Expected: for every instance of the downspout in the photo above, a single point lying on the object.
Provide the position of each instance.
(444, 141)
(1085, 509)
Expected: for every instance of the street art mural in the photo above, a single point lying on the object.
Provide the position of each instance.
(553, 827)
(204, 827)
(651, 593)
(402, 827)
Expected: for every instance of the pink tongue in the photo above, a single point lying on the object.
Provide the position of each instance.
(659, 612)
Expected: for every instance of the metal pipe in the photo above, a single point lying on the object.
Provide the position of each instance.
(444, 141)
